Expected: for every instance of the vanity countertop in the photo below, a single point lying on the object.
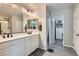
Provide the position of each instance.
(17, 36)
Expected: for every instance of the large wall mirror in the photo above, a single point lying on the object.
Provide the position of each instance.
(15, 23)
(10, 23)
(5, 24)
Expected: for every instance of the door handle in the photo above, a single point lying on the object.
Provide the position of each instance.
(77, 34)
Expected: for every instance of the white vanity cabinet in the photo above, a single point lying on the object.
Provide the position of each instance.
(28, 45)
(31, 44)
(35, 42)
(12, 48)
(20, 47)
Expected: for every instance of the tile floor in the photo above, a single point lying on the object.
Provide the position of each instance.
(59, 50)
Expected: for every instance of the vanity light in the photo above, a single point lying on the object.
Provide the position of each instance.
(7, 5)
(14, 6)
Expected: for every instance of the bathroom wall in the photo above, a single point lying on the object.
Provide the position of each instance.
(42, 18)
(41, 15)
(76, 28)
(68, 25)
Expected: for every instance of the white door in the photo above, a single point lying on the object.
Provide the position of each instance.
(76, 34)
(59, 33)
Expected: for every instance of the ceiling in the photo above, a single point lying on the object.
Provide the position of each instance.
(32, 6)
(37, 8)
(11, 12)
(52, 7)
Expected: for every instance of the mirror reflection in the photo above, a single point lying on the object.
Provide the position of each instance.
(16, 21)
(5, 25)
(32, 24)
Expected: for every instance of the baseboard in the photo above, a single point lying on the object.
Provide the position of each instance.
(68, 46)
(43, 48)
(75, 51)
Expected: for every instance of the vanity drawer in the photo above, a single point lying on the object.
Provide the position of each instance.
(27, 52)
(6, 52)
(28, 42)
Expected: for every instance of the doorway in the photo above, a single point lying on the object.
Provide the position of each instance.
(59, 31)
(56, 31)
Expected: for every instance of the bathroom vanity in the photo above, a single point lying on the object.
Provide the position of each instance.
(21, 44)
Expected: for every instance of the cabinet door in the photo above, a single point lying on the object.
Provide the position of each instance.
(28, 45)
(4, 45)
(6, 52)
(35, 42)
(16, 48)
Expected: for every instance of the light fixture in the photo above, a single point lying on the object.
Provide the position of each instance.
(7, 5)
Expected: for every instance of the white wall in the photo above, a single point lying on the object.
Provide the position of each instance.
(41, 13)
(68, 25)
(43, 33)
(76, 29)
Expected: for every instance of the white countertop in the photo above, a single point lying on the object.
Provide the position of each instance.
(16, 36)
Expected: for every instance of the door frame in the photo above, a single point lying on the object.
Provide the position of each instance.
(55, 26)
